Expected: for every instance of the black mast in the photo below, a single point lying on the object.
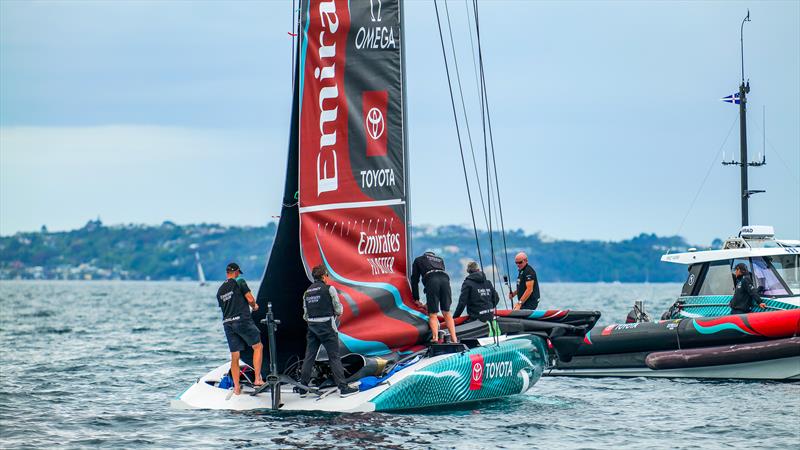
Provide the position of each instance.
(744, 89)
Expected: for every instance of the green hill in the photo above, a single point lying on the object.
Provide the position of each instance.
(164, 252)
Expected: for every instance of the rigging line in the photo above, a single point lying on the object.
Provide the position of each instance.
(491, 142)
(708, 172)
(458, 133)
(497, 190)
(486, 149)
(464, 107)
(775, 150)
(472, 45)
(484, 114)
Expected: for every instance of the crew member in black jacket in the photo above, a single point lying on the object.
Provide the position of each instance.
(479, 297)
(745, 296)
(321, 307)
(438, 297)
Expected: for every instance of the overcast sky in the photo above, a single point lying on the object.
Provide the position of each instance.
(606, 116)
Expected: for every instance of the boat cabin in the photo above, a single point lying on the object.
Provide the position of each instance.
(774, 265)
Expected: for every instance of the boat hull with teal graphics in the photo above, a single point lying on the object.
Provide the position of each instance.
(345, 212)
(748, 346)
(491, 370)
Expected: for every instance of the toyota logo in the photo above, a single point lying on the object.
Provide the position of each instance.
(374, 124)
(477, 372)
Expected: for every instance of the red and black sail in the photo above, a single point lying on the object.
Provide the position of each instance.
(346, 202)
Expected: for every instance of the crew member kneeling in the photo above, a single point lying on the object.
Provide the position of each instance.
(436, 281)
(321, 307)
(479, 297)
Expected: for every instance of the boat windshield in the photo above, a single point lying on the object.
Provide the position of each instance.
(718, 279)
(768, 282)
(787, 267)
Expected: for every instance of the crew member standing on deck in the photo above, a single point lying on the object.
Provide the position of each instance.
(321, 307)
(527, 292)
(235, 300)
(438, 297)
(745, 296)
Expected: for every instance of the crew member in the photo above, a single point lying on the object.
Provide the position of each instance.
(479, 297)
(438, 297)
(233, 298)
(745, 296)
(527, 292)
(321, 307)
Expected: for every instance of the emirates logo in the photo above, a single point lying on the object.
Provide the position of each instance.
(375, 124)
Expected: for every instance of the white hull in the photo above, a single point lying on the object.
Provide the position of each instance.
(511, 367)
(775, 369)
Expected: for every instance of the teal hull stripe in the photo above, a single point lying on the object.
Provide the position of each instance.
(537, 314)
(717, 328)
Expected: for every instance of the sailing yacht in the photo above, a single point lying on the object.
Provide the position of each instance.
(201, 276)
(345, 206)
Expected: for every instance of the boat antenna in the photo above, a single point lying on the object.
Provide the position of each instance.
(743, 163)
(741, 40)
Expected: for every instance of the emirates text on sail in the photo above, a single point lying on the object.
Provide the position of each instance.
(327, 141)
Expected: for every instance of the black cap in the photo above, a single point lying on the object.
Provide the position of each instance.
(233, 267)
(741, 267)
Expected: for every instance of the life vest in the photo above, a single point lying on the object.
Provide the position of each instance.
(318, 300)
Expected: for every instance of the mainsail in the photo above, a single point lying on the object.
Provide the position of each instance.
(201, 276)
(345, 200)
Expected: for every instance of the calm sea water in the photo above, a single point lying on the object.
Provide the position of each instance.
(95, 364)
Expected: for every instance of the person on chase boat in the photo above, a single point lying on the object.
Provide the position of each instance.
(745, 296)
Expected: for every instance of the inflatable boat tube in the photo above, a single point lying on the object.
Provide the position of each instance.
(691, 333)
(726, 354)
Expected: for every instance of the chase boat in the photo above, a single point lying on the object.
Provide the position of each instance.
(698, 337)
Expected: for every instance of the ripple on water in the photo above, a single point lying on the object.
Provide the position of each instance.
(99, 363)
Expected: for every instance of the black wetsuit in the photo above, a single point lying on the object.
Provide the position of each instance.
(527, 274)
(321, 317)
(430, 268)
(478, 296)
(745, 297)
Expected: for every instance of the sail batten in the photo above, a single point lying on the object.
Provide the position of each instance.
(351, 205)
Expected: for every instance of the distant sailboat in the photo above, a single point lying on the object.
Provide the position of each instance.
(201, 276)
